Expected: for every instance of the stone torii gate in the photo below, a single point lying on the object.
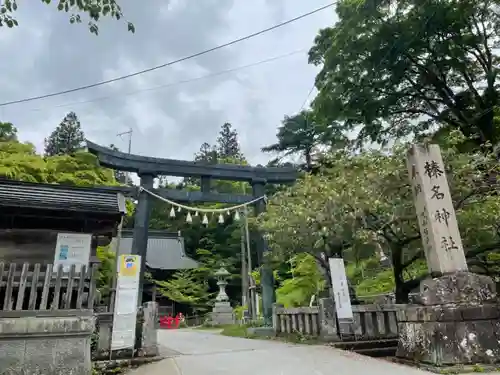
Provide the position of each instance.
(148, 168)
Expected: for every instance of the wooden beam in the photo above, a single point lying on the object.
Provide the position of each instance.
(182, 168)
(199, 197)
(185, 196)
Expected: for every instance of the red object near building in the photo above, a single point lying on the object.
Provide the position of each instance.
(169, 323)
(163, 321)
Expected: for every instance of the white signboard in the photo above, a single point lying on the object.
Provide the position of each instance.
(72, 248)
(125, 314)
(340, 289)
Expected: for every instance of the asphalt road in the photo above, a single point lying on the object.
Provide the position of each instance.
(198, 352)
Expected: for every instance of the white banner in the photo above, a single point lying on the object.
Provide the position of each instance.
(125, 314)
(340, 289)
(72, 248)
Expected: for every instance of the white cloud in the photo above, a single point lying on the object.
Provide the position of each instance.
(48, 54)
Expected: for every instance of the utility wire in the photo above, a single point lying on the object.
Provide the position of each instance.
(235, 41)
(181, 82)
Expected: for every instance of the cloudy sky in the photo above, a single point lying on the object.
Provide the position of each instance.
(168, 118)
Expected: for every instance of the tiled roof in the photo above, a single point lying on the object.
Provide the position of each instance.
(165, 251)
(60, 198)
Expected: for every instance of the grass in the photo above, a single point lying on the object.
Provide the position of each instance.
(237, 331)
(208, 328)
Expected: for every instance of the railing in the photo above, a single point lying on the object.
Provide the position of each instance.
(370, 322)
(27, 287)
(304, 320)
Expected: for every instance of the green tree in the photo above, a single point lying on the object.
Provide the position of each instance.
(397, 71)
(207, 154)
(301, 135)
(226, 151)
(186, 287)
(228, 145)
(192, 287)
(19, 161)
(94, 9)
(8, 132)
(79, 169)
(361, 203)
(106, 270)
(304, 280)
(67, 138)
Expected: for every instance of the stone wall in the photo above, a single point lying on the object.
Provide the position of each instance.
(455, 321)
(46, 342)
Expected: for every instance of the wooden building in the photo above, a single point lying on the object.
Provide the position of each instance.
(32, 215)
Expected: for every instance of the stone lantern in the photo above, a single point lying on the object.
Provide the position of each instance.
(222, 275)
(222, 313)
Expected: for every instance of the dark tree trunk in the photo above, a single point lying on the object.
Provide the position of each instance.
(308, 156)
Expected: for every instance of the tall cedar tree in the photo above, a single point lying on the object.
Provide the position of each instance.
(227, 143)
(207, 154)
(67, 138)
(227, 147)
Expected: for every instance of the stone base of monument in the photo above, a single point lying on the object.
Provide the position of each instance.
(261, 331)
(222, 314)
(456, 322)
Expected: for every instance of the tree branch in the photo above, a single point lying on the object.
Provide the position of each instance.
(482, 249)
(417, 256)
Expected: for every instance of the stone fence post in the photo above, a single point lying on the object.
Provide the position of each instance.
(327, 320)
(275, 317)
(149, 330)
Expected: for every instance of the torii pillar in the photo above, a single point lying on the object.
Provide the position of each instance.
(266, 271)
(141, 227)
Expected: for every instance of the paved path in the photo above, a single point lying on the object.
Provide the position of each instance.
(197, 352)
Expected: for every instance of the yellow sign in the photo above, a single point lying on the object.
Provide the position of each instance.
(129, 265)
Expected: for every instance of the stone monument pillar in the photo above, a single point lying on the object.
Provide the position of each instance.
(222, 313)
(455, 318)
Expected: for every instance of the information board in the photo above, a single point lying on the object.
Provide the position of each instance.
(340, 289)
(72, 248)
(125, 314)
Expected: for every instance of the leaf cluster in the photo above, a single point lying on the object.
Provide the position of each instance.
(93, 9)
(402, 70)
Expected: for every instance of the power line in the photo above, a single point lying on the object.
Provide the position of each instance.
(181, 82)
(235, 41)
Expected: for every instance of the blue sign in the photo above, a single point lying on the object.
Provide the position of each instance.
(63, 252)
